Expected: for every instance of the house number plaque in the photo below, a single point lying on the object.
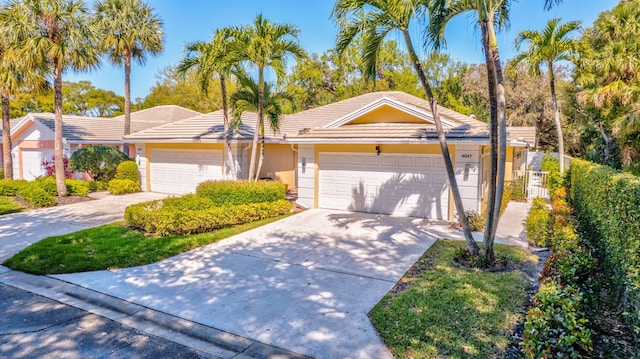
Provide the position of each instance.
(467, 155)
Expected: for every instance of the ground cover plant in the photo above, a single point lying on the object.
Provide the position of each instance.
(8, 205)
(38, 193)
(439, 309)
(112, 246)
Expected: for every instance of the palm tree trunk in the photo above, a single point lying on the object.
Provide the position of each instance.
(493, 133)
(607, 143)
(6, 137)
(261, 160)
(457, 198)
(127, 100)
(256, 133)
(556, 114)
(502, 150)
(58, 151)
(229, 164)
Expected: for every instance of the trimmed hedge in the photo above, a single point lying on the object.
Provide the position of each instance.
(127, 170)
(607, 205)
(77, 187)
(174, 219)
(233, 193)
(539, 223)
(36, 195)
(122, 186)
(48, 183)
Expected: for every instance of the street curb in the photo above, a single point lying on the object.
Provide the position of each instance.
(204, 338)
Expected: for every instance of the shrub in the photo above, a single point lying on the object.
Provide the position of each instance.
(48, 183)
(554, 179)
(77, 187)
(36, 196)
(50, 167)
(476, 222)
(188, 202)
(538, 223)
(607, 205)
(122, 186)
(516, 189)
(228, 193)
(127, 170)
(554, 326)
(1, 173)
(97, 185)
(99, 162)
(9, 187)
(172, 219)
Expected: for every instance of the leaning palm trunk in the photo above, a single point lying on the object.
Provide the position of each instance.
(229, 163)
(502, 151)
(457, 198)
(6, 138)
(58, 148)
(556, 113)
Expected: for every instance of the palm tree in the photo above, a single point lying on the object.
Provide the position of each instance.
(210, 59)
(246, 98)
(60, 35)
(491, 15)
(263, 45)
(130, 30)
(547, 47)
(14, 78)
(374, 20)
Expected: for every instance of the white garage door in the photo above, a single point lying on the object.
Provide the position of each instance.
(180, 171)
(32, 163)
(398, 184)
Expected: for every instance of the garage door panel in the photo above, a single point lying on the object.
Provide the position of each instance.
(180, 171)
(398, 184)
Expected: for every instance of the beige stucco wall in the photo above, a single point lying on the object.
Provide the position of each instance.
(279, 164)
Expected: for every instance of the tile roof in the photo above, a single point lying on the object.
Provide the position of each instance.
(98, 129)
(12, 123)
(522, 134)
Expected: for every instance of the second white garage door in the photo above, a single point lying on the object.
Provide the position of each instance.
(180, 171)
(398, 184)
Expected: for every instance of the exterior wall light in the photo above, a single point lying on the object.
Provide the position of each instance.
(378, 150)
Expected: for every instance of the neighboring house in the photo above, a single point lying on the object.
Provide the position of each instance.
(33, 136)
(374, 153)
(13, 123)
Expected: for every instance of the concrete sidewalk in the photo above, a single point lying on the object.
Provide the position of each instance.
(19, 230)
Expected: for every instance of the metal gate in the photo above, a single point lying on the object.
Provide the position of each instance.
(534, 183)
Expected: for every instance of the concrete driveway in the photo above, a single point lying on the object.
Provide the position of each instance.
(19, 230)
(305, 283)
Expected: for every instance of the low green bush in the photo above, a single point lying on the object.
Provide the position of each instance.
(188, 202)
(122, 186)
(10, 187)
(95, 186)
(1, 173)
(127, 170)
(36, 195)
(172, 219)
(538, 223)
(77, 187)
(229, 193)
(516, 190)
(554, 326)
(48, 183)
(475, 220)
(554, 179)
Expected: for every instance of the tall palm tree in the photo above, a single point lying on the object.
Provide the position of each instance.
(14, 78)
(59, 34)
(246, 98)
(130, 31)
(374, 20)
(491, 15)
(263, 45)
(210, 59)
(546, 48)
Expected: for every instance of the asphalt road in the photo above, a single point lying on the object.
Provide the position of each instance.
(32, 326)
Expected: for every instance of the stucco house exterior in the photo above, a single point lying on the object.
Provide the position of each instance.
(374, 153)
(33, 136)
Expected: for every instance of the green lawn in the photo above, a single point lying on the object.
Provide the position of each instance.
(450, 312)
(111, 246)
(8, 205)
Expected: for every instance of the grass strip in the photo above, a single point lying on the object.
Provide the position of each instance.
(112, 246)
(444, 311)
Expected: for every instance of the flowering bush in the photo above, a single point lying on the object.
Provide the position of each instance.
(50, 167)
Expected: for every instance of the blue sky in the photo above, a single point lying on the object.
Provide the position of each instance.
(192, 20)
